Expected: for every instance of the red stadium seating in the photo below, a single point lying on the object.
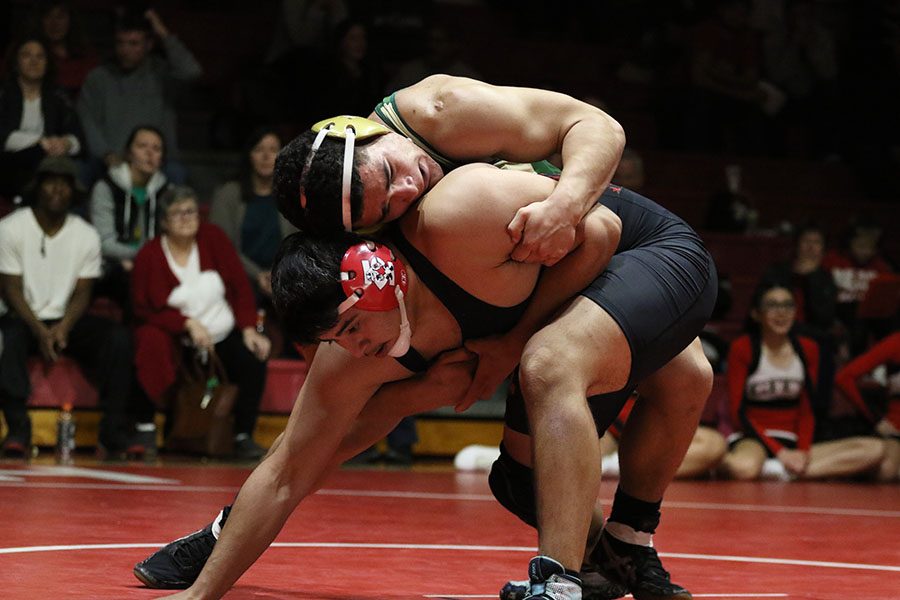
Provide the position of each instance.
(63, 382)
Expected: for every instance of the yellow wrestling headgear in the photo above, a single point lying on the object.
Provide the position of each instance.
(350, 129)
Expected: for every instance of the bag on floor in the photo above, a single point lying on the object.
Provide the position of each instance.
(202, 408)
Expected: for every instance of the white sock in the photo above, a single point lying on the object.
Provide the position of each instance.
(217, 525)
(610, 465)
(773, 469)
(143, 427)
(476, 458)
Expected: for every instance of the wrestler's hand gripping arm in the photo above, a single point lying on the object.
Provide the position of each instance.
(471, 120)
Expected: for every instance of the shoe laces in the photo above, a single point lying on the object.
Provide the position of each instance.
(192, 552)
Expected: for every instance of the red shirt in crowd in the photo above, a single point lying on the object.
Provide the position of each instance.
(887, 351)
(852, 279)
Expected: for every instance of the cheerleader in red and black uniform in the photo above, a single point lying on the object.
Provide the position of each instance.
(770, 381)
(886, 352)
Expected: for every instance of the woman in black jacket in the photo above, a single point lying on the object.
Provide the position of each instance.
(36, 117)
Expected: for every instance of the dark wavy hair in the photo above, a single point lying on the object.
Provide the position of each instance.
(150, 128)
(762, 288)
(322, 214)
(76, 41)
(12, 60)
(306, 284)
(245, 175)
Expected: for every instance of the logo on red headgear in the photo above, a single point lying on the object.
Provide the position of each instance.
(378, 272)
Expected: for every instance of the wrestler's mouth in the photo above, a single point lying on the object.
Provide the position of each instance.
(382, 351)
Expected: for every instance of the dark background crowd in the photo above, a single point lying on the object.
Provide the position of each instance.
(770, 125)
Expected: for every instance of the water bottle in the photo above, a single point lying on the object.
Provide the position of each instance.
(65, 435)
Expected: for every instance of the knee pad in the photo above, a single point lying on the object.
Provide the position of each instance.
(512, 484)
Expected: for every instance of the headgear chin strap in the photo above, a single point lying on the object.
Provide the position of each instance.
(350, 128)
(375, 280)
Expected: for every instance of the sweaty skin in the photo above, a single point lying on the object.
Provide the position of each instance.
(326, 417)
(468, 120)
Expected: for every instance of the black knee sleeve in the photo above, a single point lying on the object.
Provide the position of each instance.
(512, 484)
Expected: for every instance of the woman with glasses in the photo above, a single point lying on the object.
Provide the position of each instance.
(189, 290)
(771, 373)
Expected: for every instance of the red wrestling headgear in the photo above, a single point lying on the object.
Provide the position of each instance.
(371, 277)
(375, 280)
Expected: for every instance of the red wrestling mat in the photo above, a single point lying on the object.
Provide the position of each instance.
(382, 535)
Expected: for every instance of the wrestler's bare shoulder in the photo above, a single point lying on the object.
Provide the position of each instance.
(437, 99)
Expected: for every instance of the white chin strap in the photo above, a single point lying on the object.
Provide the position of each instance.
(348, 172)
(401, 346)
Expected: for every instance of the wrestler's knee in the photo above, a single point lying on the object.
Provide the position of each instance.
(697, 373)
(546, 365)
(685, 383)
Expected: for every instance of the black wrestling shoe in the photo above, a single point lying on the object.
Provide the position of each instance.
(548, 580)
(515, 590)
(636, 567)
(594, 586)
(176, 565)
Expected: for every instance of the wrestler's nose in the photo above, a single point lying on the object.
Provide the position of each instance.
(404, 189)
(356, 346)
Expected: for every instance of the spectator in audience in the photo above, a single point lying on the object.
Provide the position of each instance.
(771, 372)
(853, 267)
(124, 208)
(135, 89)
(810, 281)
(189, 286)
(441, 56)
(70, 53)
(352, 82)
(816, 295)
(885, 354)
(49, 259)
(246, 211)
(36, 117)
(703, 455)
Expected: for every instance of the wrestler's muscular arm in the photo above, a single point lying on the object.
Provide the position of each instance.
(329, 402)
(468, 205)
(469, 120)
(596, 241)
